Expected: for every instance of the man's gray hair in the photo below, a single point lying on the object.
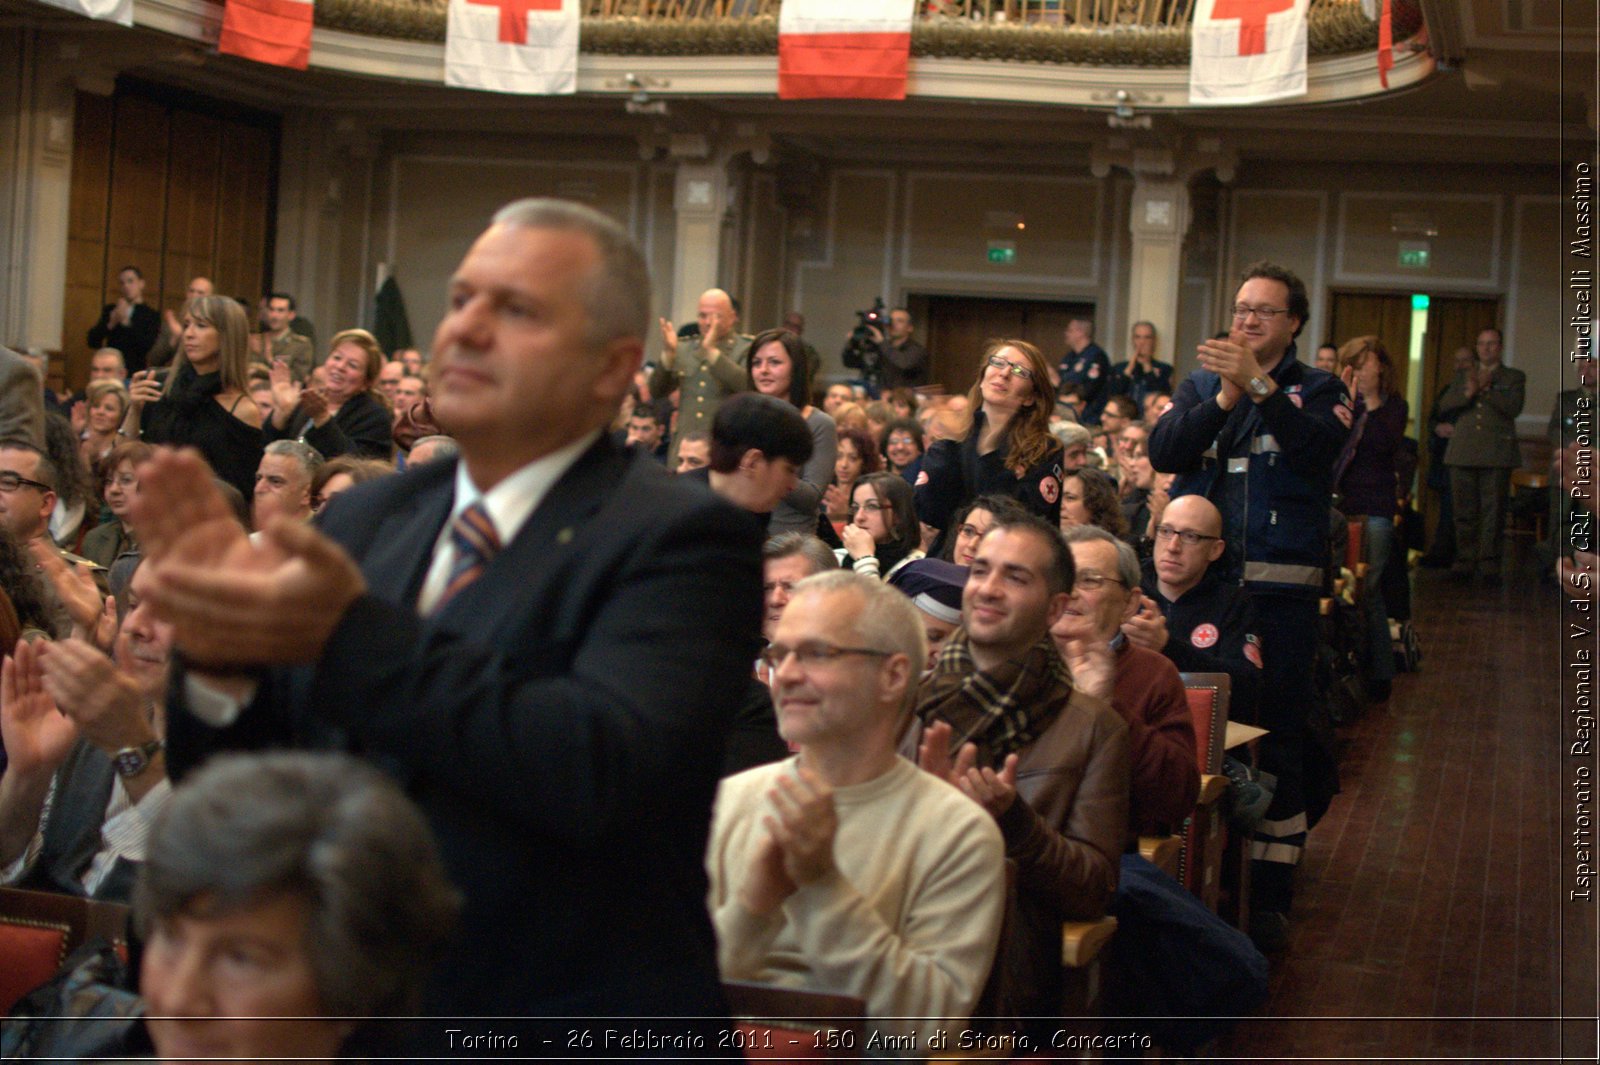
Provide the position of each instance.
(818, 554)
(886, 621)
(308, 458)
(1127, 557)
(1071, 434)
(444, 447)
(617, 297)
(325, 828)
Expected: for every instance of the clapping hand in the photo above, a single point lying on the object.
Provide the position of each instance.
(37, 736)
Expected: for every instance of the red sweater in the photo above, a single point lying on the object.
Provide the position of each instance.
(1161, 745)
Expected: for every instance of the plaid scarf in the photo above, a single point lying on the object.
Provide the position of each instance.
(1002, 710)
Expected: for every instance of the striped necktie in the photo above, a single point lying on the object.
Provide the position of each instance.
(476, 543)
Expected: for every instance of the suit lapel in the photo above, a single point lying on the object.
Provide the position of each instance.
(402, 548)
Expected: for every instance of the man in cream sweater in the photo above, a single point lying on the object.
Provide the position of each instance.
(845, 868)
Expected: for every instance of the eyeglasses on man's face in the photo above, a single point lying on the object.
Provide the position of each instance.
(1186, 537)
(814, 653)
(1090, 581)
(10, 482)
(1266, 314)
(1012, 368)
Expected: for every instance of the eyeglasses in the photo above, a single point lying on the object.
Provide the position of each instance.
(1010, 367)
(871, 506)
(10, 482)
(814, 653)
(123, 480)
(1266, 314)
(1186, 537)
(1093, 582)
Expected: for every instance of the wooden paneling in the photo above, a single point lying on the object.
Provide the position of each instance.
(191, 208)
(244, 193)
(89, 207)
(163, 183)
(960, 327)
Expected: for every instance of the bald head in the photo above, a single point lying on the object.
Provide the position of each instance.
(1179, 565)
(715, 313)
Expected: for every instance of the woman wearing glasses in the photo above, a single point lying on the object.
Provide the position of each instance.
(882, 535)
(1006, 449)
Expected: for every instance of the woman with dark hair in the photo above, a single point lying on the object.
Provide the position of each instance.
(346, 415)
(883, 534)
(779, 368)
(77, 507)
(857, 456)
(1006, 448)
(286, 898)
(204, 403)
(344, 472)
(1367, 478)
(972, 521)
(20, 581)
(902, 448)
(1089, 497)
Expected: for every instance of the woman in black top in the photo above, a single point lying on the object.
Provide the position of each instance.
(343, 416)
(1006, 450)
(203, 403)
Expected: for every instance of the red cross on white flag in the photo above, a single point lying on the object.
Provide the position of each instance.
(1247, 51)
(521, 46)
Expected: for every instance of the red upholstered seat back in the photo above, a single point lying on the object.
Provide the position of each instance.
(32, 951)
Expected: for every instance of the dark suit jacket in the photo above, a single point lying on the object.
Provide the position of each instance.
(561, 721)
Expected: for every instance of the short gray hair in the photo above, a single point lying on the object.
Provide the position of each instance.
(617, 297)
(308, 458)
(886, 621)
(1071, 434)
(445, 446)
(327, 828)
(812, 549)
(1127, 557)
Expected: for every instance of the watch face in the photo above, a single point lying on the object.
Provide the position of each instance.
(129, 761)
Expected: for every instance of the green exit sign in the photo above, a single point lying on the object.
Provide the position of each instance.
(1003, 252)
(1414, 254)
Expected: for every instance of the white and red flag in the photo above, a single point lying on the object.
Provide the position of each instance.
(119, 11)
(268, 31)
(522, 46)
(1247, 51)
(844, 49)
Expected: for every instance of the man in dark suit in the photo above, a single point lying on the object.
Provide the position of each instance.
(1485, 400)
(539, 700)
(130, 325)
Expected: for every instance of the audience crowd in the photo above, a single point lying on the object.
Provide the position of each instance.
(517, 576)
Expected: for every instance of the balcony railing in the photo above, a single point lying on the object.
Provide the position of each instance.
(1096, 32)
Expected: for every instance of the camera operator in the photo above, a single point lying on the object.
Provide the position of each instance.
(904, 362)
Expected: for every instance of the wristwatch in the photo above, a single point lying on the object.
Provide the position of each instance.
(131, 761)
(1259, 386)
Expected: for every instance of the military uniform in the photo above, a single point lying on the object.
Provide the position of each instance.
(1481, 455)
(703, 385)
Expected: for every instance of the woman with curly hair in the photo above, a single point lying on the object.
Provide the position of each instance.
(857, 455)
(1006, 448)
(1089, 497)
(19, 580)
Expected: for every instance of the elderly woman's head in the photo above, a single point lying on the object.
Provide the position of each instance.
(286, 885)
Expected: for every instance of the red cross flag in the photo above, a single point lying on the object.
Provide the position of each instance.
(268, 31)
(844, 49)
(522, 46)
(119, 11)
(1247, 51)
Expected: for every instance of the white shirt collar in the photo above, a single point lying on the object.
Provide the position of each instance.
(516, 497)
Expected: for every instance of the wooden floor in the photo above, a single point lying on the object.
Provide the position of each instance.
(1427, 903)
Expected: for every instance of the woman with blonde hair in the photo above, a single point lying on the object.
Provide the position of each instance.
(1006, 448)
(204, 403)
(345, 414)
(105, 404)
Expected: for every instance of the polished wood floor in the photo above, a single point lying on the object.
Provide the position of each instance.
(1427, 903)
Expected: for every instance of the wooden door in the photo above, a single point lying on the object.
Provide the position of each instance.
(959, 328)
(1386, 315)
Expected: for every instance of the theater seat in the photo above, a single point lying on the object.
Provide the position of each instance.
(1205, 833)
(778, 1023)
(39, 929)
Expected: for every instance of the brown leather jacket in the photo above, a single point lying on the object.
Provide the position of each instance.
(1066, 836)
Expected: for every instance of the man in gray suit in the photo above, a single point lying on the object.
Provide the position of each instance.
(1486, 397)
